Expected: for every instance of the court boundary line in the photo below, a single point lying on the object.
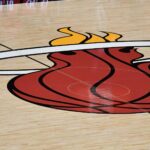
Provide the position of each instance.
(27, 52)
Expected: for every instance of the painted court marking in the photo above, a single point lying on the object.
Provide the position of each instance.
(48, 49)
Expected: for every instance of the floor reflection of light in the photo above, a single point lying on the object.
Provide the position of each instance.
(1, 5)
(30, 3)
(44, 3)
(10, 4)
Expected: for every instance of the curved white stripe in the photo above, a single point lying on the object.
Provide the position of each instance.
(141, 60)
(16, 72)
(43, 50)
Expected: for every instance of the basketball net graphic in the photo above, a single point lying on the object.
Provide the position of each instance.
(92, 74)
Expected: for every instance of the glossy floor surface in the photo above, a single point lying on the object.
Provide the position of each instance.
(27, 126)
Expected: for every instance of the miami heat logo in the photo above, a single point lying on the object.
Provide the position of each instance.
(90, 74)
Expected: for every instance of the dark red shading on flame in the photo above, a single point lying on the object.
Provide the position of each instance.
(94, 81)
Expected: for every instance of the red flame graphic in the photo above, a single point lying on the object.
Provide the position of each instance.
(94, 81)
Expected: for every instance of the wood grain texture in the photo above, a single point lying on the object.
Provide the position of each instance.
(24, 126)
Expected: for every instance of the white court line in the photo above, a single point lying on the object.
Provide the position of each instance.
(16, 72)
(48, 49)
(43, 50)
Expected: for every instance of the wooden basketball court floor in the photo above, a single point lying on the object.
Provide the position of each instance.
(25, 126)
